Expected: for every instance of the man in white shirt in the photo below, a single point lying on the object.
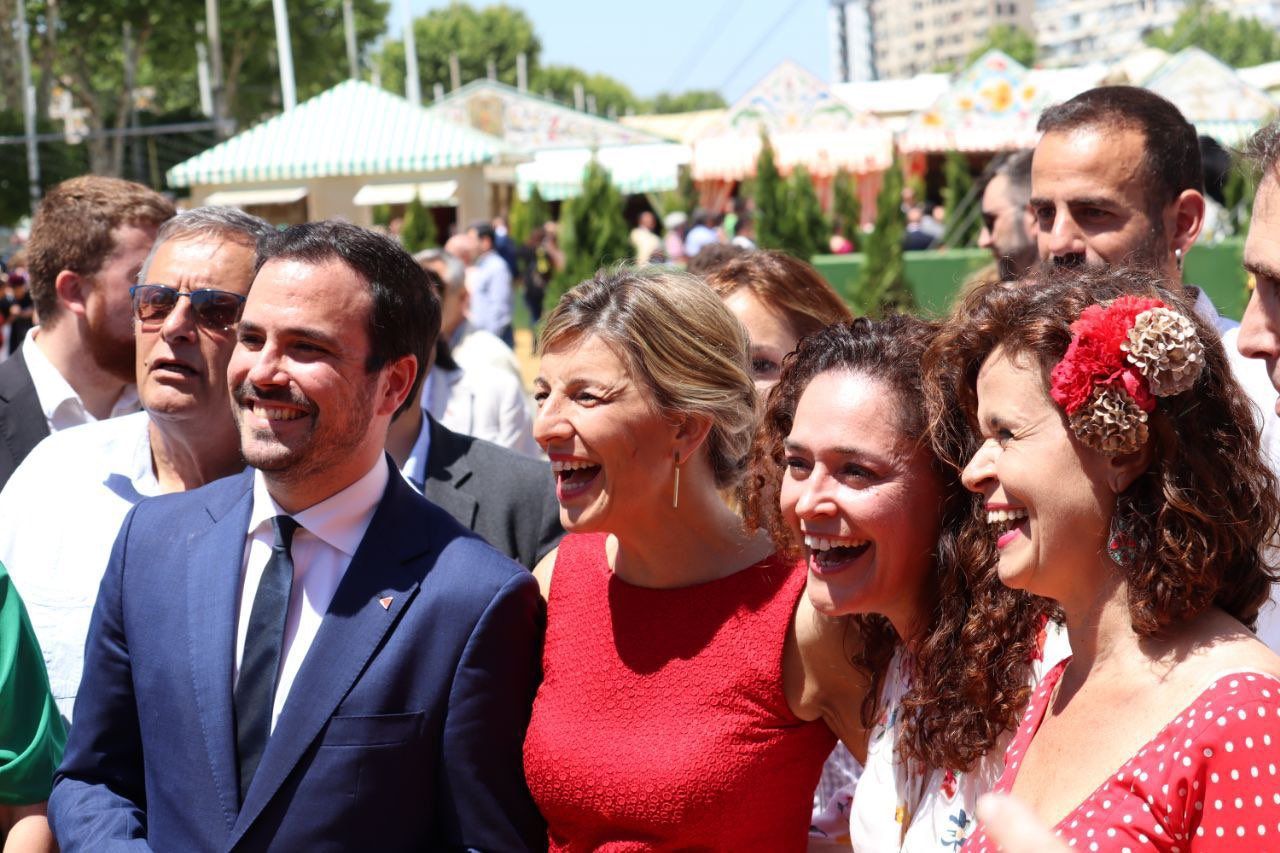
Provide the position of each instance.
(491, 287)
(470, 346)
(1117, 178)
(188, 299)
(88, 241)
(308, 654)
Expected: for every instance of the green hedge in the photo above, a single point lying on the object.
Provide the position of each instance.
(936, 277)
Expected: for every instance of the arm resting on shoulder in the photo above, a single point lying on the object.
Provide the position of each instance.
(819, 677)
(98, 801)
(485, 802)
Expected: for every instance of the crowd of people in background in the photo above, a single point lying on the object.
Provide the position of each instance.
(298, 557)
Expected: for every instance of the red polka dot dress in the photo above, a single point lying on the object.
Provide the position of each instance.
(1209, 780)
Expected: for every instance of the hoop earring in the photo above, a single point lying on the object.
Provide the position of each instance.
(675, 491)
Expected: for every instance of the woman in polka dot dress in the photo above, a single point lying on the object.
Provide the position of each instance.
(1122, 479)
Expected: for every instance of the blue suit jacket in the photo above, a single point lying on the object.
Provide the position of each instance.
(402, 731)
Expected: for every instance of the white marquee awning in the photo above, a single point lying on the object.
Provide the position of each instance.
(257, 196)
(430, 193)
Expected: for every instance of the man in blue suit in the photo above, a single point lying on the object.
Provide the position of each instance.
(309, 655)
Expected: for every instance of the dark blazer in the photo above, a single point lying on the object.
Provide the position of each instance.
(22, 421)
(402, 731)
(508, 499)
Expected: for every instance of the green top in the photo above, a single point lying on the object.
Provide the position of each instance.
(31, 733)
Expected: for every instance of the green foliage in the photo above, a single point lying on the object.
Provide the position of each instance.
(771, 199)
(958, 199)
(683, 102)
(1239, 42)
(381, 214)
(498, 32)
(58, 161)
(559, 81)
(1238, 192)
(419, 230)
(527, 215)
(1015, 41)
(593, 233)
(805, 229)
(882, 288)
(846, 207)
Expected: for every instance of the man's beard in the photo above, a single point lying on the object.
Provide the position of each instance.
(114, 355)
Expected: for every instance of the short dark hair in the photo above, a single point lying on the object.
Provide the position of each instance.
(405, 318)
(1172, 162)
(1015, 166)
(1262, 152)
(74, 230)
(484, 231)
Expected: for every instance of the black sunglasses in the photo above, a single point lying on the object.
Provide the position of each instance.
(214, 309)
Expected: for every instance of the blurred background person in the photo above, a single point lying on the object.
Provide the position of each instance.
(491, 286)
(702, 233)
(676, 224)
(779, 299)
(1008, 227)
(540, 261)
(644, 237)
(470, 346)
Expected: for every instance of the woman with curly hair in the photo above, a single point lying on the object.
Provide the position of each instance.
(843, 476)
(1122, 478)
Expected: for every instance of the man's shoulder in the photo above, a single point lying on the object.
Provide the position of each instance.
(482, 348)
(14, 376)
(87, 452)
(215, 497)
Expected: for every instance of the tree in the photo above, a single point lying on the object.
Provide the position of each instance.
(419, 229)
(1239, 42)
(683, 102)
(560, 81)
(805, 229)
(593, 233)
(846, 208)
(882, 287)
(527, 215)
(771, 198)
(58, 161)
(498, 33)
(1015, 41)
(958, 200)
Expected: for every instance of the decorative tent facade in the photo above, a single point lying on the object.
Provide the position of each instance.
(993, 105)
(352, 140)
(1212, 96)
(806, 124)
(560, 141)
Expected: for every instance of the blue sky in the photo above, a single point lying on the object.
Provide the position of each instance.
(657, 45)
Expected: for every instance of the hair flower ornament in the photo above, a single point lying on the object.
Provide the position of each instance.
(1122, 357)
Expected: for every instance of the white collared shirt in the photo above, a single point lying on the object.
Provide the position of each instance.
(62, 510)
(60, 403)
(326, 540)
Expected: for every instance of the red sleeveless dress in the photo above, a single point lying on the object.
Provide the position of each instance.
(661, 722)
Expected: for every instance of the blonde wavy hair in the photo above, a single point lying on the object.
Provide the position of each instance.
(681, 343)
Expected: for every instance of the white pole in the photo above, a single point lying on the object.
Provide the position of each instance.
(412, 85)
(349, 24)
(217, 93)
(28, 107)
(202, 79)
(284, 52)
(522, 72)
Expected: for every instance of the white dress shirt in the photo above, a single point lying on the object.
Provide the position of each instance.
(485, 403)
(327, 537)
(62, 509)
(60, 403)
(474, 348)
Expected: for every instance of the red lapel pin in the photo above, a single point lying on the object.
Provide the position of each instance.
(385, 602)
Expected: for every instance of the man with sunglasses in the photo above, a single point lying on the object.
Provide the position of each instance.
(88, 240)
(64, 505)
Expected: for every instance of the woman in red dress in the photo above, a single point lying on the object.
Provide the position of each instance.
(1122, 478)
(690, 692)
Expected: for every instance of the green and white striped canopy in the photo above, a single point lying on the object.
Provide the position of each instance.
(352, 129)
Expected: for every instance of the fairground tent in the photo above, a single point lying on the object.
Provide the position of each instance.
(807, 126)
(560, 141)
(1212, 96)
(354, 140)
(993, 105)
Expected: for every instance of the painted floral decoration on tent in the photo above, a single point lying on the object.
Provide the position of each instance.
(1121, 357)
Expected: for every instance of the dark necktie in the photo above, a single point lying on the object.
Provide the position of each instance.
(256, 688)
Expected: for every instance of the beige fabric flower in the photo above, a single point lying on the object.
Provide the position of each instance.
(1111, 422)
(1163, 345)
